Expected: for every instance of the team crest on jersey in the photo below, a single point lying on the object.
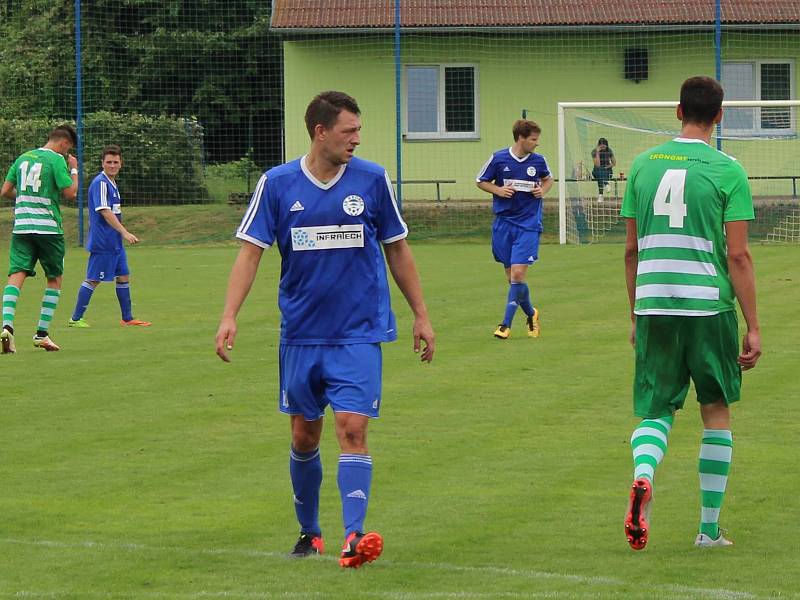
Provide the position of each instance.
(532, 171)
(353, 205)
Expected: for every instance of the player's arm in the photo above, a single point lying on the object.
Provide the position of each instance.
(613, 160)
(8, 190)
(241, 280)
(544, 186)
(504, 192)
(115, 224)
(486, 178)
(631, 266)
(404, 270)
(70, 191)
(740, 267)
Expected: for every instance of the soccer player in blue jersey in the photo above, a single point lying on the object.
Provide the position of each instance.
(518, 179)
(329, 213)
(107, 258)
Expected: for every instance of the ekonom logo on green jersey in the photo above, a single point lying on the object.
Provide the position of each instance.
(39, 176)
(681, 194)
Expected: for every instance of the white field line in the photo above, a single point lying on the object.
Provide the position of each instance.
(667, 590)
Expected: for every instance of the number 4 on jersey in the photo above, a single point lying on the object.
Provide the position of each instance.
(669, 197)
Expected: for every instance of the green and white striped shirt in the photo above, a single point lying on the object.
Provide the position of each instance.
(39, 176)
(681, 194)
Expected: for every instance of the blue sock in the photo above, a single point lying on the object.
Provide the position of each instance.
(305, 469)
(513, 302)
(355, 477)
(524, 298)
(82, 303)
(124, 297)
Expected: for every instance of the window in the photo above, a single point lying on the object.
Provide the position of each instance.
(759, 80)
(441, 102)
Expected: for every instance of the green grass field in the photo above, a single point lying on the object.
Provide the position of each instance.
(135, 464)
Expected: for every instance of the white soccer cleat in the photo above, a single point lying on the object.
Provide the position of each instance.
(705, 541)
(45, 343)
(7, 342)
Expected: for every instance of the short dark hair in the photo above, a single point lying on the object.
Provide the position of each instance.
(524, 128)
(110, 149)
(701, 99)
(324, 109)
(64, 132)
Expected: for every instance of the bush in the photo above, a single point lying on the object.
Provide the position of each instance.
(163, 156)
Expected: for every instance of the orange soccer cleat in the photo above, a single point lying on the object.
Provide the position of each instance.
(636, 526)
(135, 322)
(360, 548)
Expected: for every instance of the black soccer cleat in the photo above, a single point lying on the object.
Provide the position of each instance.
(307, 545)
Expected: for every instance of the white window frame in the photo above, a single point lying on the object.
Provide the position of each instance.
(757, 130)
(441, 134)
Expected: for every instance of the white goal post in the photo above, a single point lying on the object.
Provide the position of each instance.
(571, 168)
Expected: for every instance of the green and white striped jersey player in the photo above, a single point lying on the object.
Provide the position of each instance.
(39, 176)
(37, 181)
(680, 194)
(686, 259)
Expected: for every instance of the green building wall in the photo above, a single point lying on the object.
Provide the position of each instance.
(515, 72)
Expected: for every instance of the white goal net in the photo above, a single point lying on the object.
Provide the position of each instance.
(598, 142)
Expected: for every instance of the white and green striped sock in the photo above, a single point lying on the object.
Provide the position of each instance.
(649, 444)
(714, 465)
(49, 304)
(10, 299)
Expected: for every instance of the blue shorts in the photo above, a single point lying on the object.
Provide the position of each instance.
(105, 267)
(347, 376)
(513, 245)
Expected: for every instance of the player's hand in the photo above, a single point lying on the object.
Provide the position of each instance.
(130, 238)
(225, 336)
(537, 190)
(423, 331)
(751, 350)
(506, 191)
(632, 339)
(72, 162)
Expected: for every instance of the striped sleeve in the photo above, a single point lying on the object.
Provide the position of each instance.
(258, 225)
(103, 199)
(391, 226)
(546, 172)
(487, 172)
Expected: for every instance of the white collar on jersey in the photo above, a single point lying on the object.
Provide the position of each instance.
(317, 182)
(111, 181)
(684, 140)
(517, 158)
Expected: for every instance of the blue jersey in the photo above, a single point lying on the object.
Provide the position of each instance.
(523, 208)
(333, 287)
(103, 195)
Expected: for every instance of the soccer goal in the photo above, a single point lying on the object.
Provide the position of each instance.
(597, 142)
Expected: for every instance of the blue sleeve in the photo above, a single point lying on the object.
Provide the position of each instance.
(96, 195)
(259, 224)
(391, 226)
(545, 171)
(489, 170)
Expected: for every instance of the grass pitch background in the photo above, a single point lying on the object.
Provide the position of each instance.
(135, 464)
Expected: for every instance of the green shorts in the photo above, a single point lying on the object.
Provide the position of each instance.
(670, 350)
(27, 248)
